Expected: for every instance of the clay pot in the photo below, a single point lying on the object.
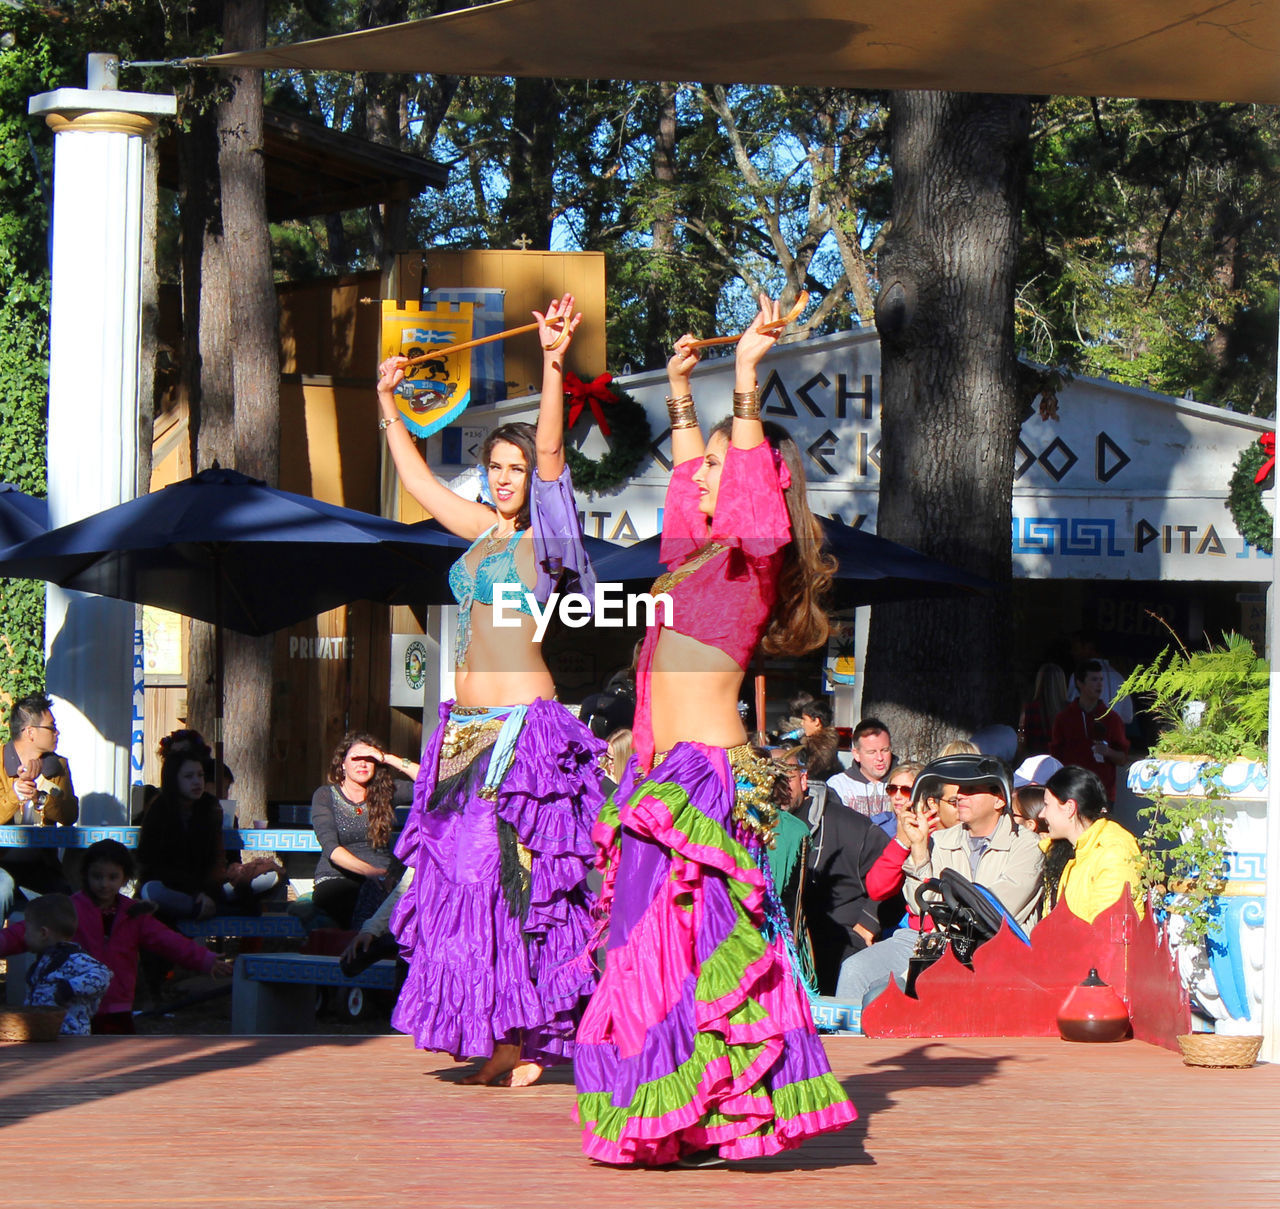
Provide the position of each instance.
(1093, 1012)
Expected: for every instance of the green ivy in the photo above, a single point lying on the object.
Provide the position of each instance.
(1184, 852)
(30, 66)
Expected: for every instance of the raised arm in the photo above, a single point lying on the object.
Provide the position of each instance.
(748, 431)
(555, 332)
(466, 518)
(686, 434)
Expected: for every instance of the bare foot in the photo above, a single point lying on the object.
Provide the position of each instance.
(505, 1057)
(523, 1074)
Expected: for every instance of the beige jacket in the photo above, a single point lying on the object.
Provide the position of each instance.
(61, 806)
(1012, 868)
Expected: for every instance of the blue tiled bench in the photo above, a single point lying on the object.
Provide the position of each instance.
(834, 1016)
(221, 927)
(276, 992)
(249, 838)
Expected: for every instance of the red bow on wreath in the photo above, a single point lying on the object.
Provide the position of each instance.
(594, 394)
(1268, 443)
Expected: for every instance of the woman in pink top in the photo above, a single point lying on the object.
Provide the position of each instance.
(699, 1038)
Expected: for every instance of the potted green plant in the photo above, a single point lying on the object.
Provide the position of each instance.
(1204, 834)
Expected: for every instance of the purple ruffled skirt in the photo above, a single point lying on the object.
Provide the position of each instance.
(479, 973)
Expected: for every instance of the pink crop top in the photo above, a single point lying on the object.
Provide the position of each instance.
(727, 598)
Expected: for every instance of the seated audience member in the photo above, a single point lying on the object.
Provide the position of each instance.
(185, 740)
(1048, 698)
(862, 786)
(985, 846)
(35, 788)
(615, 759)
(1028, 805)
(182, 862)
(612, 709)
(819, 740)
(353, 816)
(1088, 733)
(898, 786)
(843, 845)
(940, 797)
(789, 856)
(1106, 856)
(374, 941)
(63, 974)
(864, 974)
(114, 929)
(1035, 770)
(996, 740)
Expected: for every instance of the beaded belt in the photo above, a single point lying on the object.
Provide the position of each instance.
(471, 730)
(754, 778)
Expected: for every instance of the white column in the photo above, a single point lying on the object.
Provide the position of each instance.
(1270, 1022)
(100, 147)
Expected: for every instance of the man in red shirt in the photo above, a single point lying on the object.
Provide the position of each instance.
(1088, 732)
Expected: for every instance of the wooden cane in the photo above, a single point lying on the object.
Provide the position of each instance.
(776, 326)
(515, 331)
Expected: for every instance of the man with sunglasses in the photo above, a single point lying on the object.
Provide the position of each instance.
(985, 846)
(35, 787)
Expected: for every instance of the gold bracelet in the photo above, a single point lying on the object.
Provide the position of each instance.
(682, 411)
(746, 404)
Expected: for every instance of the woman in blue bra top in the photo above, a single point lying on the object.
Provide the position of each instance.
(499, 837)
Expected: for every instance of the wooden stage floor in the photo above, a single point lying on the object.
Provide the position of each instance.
(322, 1121)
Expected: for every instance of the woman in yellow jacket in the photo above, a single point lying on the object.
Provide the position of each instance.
(1106, 857)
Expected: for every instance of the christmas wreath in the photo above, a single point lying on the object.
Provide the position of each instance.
(625, 424)
(1254, 466)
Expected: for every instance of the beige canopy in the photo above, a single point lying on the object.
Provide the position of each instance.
(1226, 50)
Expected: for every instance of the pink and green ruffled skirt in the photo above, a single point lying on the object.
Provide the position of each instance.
(480, 972)
(699, 1035)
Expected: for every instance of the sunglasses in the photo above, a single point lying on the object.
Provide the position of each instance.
(898, 791)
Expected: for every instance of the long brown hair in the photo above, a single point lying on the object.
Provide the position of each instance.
(799, 622)
(377, 795)
(524, 437)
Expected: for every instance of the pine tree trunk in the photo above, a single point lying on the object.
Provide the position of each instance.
(255, 365)
(938, 669)
(526, 210)
(662, 232)
(206, 359)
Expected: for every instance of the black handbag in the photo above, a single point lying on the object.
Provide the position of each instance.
(964, 916)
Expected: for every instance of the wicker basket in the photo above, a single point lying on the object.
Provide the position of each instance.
(1218, 1049)
(30, 1023)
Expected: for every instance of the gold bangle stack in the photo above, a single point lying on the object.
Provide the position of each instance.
(746, 404)
(682, 412)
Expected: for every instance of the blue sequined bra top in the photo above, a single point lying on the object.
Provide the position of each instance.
(497, 567)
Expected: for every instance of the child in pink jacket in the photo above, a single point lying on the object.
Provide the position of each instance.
(114, 928)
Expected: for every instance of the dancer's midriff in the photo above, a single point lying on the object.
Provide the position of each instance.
(694, 694)
(503, 664)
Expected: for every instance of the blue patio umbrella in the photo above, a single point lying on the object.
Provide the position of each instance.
(232, 551)
(870, 569)
(21, 515)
